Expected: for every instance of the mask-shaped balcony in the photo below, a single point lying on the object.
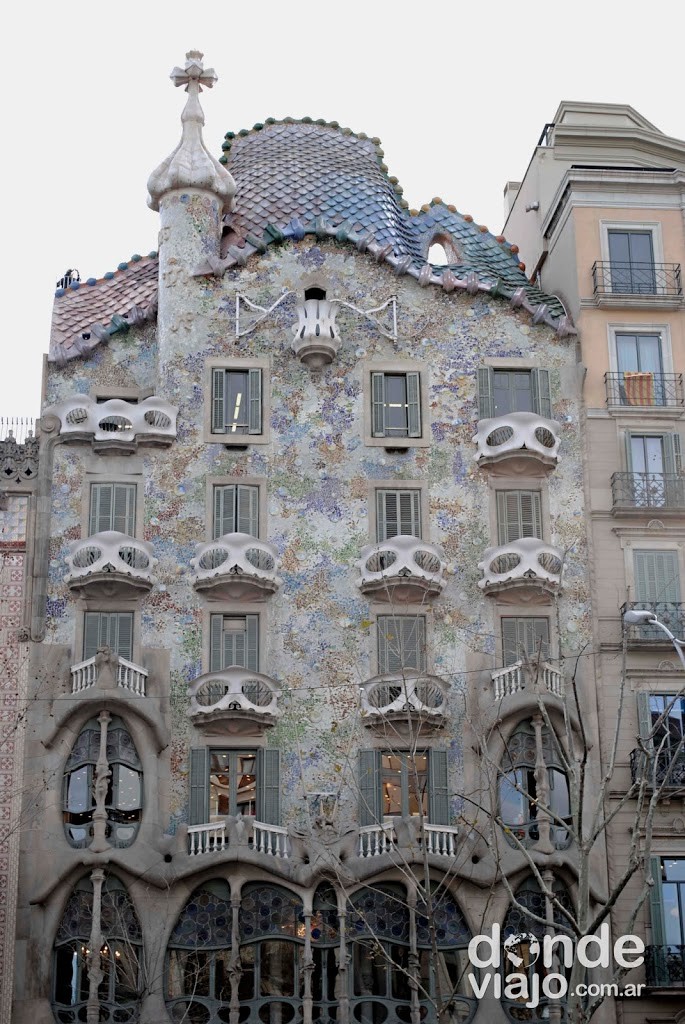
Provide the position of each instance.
(316, 339)
(110, 564)
(116, 425)
(525, 563)
(236, 567)
(518, 435)
(402, 569)
(233, 701)
(410, 701)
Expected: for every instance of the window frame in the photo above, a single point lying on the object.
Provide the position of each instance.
(654, 228)
(210, 436)
(114, 610)
(234, 609)
(539, 491)
(408, 612)
(523, 613)
(249, 617)
(540, 381)
(396, 367)
(233, 755)
(126, 470)
(663, 331)
(260, 482)
(92, 484)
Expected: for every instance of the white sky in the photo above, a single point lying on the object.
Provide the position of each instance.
(457, 92)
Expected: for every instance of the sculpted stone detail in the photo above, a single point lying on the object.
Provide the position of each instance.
(516, 432)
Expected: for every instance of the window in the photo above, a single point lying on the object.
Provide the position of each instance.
(641, 379)
(398, 512)
(657, 587)
(519, 514)
(234, 640)
(631, 256)
(124, 797)
(401, 784)
(396, 405)
(524, 636)
(664, 958)
(112, 507)
(108, 629)
(661, 721)
(401, 643)
(519, 796)
(236, 510)
(506, 391)
(654, 463)
(236, 401)
(380, 954)
(234, 782)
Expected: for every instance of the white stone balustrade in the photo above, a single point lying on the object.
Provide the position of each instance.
(316, 340)
(210, 838)
(515, 678)
(152, 421)
(402, 568)
(271, 840)
(110, 555)
(517, 432)
(521, 562)
(375, 840)
(233, 693)
(400, 694)
(236, 566)
(440, 839)
(130, 677)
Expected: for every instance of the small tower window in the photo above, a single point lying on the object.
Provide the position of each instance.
(442, 252)
(314, 293)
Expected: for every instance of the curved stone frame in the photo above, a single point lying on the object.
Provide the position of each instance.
(404, 579)
(151, 422)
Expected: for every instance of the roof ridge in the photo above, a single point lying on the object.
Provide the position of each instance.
(108, 275)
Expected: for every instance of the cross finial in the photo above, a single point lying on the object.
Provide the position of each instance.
(194, 71)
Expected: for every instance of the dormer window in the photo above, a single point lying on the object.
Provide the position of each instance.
(442, 252)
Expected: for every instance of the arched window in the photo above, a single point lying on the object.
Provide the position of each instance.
(122, 794)
(379, 931)
(325, 935)
(441, 927)
(271, 953)
(199, 957)
(443, 252)
(119, 991)
(522, 800)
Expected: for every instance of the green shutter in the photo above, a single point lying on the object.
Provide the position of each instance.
(121, 634)
(519, 514)
(656, 910)
(386, 514)
(438, 792)
(541, 394)
(224, 510)
(198, 809)
(255, 401)
(524, 635)
(218, 401)
(91, 635)
(124, 509)
(100, 518)
(413, 405)
(657, 577)
(510, 647)
(247, 519)
(268, 787)
(644, 718)
(410, 513)
(401, 643)
(413, 642)
(369, 787)
(378, 404)
(252, 642)
(486, 400)
(677, 456)
(398, 512)
(386, 641)
(216, 630)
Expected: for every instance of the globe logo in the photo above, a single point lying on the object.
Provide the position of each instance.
(521, 949)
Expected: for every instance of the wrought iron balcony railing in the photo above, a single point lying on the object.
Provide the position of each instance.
(523, 562)
(619, 278)
(234, 696)
(644, 389)
(665, 966)
(648, 491)
(664, 769)
(110, 558)
(671, 613)
(402, 568)
(517, 433)
(236, 566)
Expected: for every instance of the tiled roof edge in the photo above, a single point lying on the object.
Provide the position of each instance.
(107, 276)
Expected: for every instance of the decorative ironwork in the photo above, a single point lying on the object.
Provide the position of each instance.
(671, 613)
(440, 915)
(628, 278)
(266, 910)
(644, 389)
(380, 913)
(665, 768)
(18, 459)
(648, 491)
(665, 966)
(205, 921)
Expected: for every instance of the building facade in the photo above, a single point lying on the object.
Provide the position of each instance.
(599, 221)
(310, 567)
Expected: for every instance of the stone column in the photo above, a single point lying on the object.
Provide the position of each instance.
(95, 972)
(308, 970)
(235, 968)
(100, 786)
(554, 1008)
(544, 843)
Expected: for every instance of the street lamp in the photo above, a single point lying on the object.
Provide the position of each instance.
(643, 617)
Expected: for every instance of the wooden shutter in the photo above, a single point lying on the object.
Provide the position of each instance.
(216, 632)
(524, 634)
(268, 786)
(254, 390)
(401, 643)
(124, 509)
(398, 512)
(438, 791)
(252, 642)
(100, 517)
(656, 910)
(247, 518)
(644, 718)
(541, 394)
(218, 401)
(198, 808)
(657, 578)
(413, 405)
(378, 404)
(671, 449)
(519, 514)
(510, 646)
(91, 635)
(369, 787)
(224, 510)
(121, 634)
(486, 398)
(413, 642)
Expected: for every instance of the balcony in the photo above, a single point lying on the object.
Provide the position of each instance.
(269, 840)
(233, 701)
(644, 390)
(646, 492)
(375, 840)
(236, 567)
(440, 840)
(402, 569)
(671, 613)
(665, 967)
(524, 563)
(665, 770)
(316, 339)
(116, 425)
(531, 677)
(620, 284)
(378, 840)
(409, 700)
(515, 436)
(110, 564)
(129, 677)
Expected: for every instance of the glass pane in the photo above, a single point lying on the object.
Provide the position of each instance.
(79, 791)
(513, 805)
(619, 247)
(126, 970)
(649, 353)
(236, 411)
(277, 968)
(247, 977)
(71, 979)
(370, 970)
(674, 926)
(674, 870)
(417, 772)
(127, 788)
(392, 766)
(396, 404)
(246, 796)
(626, 350)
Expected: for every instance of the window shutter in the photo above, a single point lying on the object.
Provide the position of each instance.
(378, 404)
(386, 643)
(121, 634)
(100, 518)
(398, 512)
(255, 400)
(677, 457)
(410, 513)
(656, 910)
(369, 787)
(438, 792)
(657, 578)
(531, 514)
(268, 787)
(198, 810)
(629, 451)
(413, 405)
(671, 448)
(91, 635)
(224, 510)
(216, 629)
(218, 401)
(413, 642)
(247, 519)
(644, 718)
(124, 509)
(519, 514)
(542, 398)
(510, 645)
(486, 399)
(386, 515)
(252, 642)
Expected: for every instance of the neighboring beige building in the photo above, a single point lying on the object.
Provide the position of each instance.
(599, 221)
